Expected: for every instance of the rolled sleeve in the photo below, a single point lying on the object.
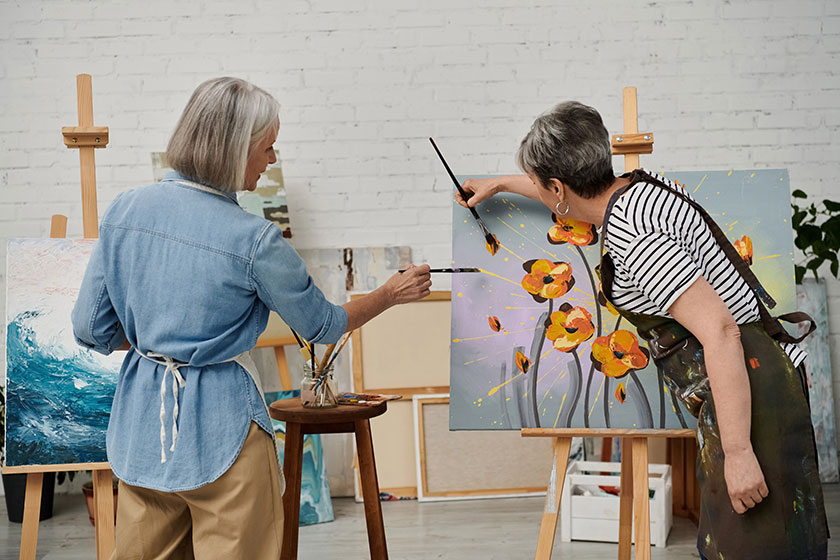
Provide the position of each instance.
(282, 283)
(661, 268)
(95, 321)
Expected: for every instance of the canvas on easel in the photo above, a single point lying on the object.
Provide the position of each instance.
(58, 394)
(86, 138)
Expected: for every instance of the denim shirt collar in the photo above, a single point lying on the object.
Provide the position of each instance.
(173, 176)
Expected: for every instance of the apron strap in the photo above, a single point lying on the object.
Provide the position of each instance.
(172, 366)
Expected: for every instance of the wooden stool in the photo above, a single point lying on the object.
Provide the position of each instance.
(342, 419)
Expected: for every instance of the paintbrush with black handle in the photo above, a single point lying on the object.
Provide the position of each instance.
(492, 242)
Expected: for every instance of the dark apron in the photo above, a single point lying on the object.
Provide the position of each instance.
(790, 522)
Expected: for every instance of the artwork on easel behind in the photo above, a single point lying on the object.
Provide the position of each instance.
(531, 346)
(267, 201)
(58, 394)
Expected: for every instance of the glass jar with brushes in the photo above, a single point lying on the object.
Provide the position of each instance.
(317, 388)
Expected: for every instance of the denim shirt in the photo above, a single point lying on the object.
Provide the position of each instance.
(188, 274)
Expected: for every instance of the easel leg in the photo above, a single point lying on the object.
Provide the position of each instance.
(103, 512)
(370, 492)
(548, 527)
(283, 368)
(292, 466)
(31, 515)
(640, 498)
(625, 518)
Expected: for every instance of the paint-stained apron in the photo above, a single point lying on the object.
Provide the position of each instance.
(790, 523)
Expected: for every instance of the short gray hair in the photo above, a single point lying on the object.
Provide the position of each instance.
(569, 143)
(223, 120)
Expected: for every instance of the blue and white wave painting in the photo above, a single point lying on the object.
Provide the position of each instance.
(58, 395)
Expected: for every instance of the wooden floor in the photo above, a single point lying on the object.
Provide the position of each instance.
(477, 529)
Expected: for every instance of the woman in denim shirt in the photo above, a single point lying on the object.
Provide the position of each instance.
(186, 277)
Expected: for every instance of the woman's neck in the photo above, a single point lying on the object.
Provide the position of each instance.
(592, 210)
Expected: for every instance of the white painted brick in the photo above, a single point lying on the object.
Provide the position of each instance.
(40, 30)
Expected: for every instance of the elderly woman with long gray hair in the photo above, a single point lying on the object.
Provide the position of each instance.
(673, 274)
(185, 278)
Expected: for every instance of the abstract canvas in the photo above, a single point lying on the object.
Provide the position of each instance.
(267, 201)
(58, 395)
(811, 299)
(531, 344)
(315, 502)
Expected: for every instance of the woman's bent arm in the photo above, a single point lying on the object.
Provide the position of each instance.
(701, 310)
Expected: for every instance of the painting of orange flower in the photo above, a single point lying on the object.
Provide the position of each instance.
(572, 232)
(546, 279)
(568, 327)
(495, 324)
(620, 392)
(522, 362)
(745, 248)
(617, 353)
(492, 245)
(604, 302)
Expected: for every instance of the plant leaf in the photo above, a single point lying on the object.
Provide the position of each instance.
(800, 273)
(807, 235)
(831, 206)
(798, 216)
(798, 194)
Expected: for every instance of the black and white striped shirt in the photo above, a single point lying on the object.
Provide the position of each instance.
(660, 245)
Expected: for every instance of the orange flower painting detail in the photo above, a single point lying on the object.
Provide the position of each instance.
(620, 392)
(492, 244)
(495, 324)
(572, 232)
(745, 248)
(617, 353)
(522, 362)
(546, 279)
(568, 327)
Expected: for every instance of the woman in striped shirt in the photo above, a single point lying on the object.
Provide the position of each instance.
(671, 273)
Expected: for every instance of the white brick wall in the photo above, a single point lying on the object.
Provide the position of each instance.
(747, 84)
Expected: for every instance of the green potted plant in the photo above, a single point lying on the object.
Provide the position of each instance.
(816, 228)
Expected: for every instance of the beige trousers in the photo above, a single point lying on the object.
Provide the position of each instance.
(239, 515)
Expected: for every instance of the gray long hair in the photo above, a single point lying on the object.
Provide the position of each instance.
(569, 143)
(223, 120)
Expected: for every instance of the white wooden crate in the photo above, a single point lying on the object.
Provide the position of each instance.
(595, 518)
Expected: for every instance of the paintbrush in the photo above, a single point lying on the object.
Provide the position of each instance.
(340, 346)
(451, 270)
(492, 242)
(327, 355)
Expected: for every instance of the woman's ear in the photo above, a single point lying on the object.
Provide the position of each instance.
(558, 188)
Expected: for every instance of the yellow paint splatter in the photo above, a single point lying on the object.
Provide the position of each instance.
(495, 389)
(474, 361)
(460, 294)
(559, 410)
(767, 257)
(500, 277)
(729, 174)
(488, 336)
(700, 183)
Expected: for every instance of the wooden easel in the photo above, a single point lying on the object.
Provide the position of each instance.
(86, 138)
(634, 502)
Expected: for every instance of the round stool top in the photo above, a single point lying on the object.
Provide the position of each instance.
(291, 410)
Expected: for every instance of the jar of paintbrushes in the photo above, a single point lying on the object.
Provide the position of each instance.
(317, 388)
